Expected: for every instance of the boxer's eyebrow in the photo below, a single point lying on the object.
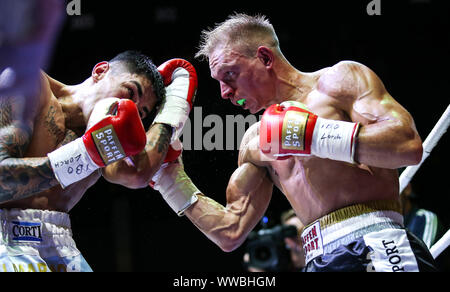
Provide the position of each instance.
(139, 87)
(222, 69)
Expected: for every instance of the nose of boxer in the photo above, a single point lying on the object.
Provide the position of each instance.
(226, 91)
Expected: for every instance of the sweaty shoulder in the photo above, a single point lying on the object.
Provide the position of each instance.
(346, 79)
(23, 108)
(37, 102)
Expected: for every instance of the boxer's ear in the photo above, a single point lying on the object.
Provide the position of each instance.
(100, 71)
(266, 56)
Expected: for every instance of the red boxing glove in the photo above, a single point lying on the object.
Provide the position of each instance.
(124, 131)
(111, 139)
(167, 71)
(180, 79)
(289, 129)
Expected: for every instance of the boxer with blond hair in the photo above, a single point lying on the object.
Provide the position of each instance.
(329, 140)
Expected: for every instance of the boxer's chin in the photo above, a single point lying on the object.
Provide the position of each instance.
(254, 109)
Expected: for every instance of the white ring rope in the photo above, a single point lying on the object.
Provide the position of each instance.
(435, 135)
(440, 245)
(439, 129)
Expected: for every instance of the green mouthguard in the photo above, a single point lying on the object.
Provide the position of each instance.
(241, 102)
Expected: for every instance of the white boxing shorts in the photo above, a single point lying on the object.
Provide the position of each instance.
(367, 237)
(38, 241)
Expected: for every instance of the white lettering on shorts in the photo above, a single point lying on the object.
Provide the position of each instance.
(26, 231)
(391, 251)
(312, 242)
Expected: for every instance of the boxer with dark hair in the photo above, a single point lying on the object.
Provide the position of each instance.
(56, 144)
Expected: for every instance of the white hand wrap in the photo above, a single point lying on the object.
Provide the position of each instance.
(175, 187)
(71, 163)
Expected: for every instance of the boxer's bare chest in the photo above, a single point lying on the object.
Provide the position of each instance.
(310, 183)
(49, 133)
(54, 123)
(49, 129)
(322, 105)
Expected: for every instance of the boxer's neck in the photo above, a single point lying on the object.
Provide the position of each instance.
(74, 117)
(81, 96)
(292, 84)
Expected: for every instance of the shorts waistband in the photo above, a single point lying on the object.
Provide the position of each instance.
(59, 219)
(345, 225)
(31, 226)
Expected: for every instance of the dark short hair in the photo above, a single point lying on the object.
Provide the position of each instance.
(137, 63)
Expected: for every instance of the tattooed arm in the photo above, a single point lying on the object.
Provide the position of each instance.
(20, 177)
(145, 164)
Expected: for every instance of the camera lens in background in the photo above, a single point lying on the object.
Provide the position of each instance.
(267, 250)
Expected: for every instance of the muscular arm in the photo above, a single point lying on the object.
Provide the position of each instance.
(145, 164)
(388, 137)
(248, 194)
(20, 177)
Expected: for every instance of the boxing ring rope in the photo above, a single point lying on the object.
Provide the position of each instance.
(439, 129)
(435, 135)
(440, 245)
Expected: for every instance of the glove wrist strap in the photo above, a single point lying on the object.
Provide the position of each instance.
(334, 140)
(71, 162)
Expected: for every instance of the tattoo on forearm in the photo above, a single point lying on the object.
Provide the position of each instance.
(69, 137)
(164, 140)
(5, 112)
(23, 177)
(161, 141)
(51, 125)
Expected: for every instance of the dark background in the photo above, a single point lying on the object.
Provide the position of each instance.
(408, 46)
